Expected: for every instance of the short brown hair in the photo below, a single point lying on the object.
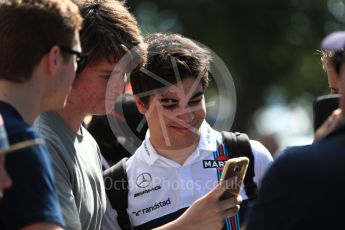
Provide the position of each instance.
(109, 31)
(29, 29)
(326, 59)
(191, 59)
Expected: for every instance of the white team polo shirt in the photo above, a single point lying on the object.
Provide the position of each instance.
(159, 187)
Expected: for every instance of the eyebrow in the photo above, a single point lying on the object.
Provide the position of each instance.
(167, 99)
(198, 94)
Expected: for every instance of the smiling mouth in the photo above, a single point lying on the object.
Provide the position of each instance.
(184, 129)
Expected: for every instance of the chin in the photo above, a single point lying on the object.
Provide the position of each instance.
(99, 111)
(186, 142)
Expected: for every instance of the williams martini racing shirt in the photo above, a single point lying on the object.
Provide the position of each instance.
(160, 189)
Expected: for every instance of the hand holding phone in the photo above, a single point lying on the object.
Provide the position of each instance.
(234, 172)
(326, 118)
(323, 107)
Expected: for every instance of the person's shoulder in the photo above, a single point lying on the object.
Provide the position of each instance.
(50, 127)
(310, 152)
(16, 126)
(137, 157)
(327, 150)
(139, 160)
(44, 123)
(260, 152)
(31, 172)
(36, 156)
(292, 160)
(295, 165)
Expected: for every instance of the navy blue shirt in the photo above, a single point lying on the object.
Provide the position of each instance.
(304, 188)
(32, 197)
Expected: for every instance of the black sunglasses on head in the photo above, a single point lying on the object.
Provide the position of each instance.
(81, 57)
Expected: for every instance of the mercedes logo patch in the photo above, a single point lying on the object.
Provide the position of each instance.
(144, 180)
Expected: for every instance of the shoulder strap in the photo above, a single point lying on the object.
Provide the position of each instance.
(238, 145)
(116, 187)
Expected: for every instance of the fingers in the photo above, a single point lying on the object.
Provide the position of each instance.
(332, 122)
(336, 117)
(214, 194)
(217, 191)
(230, 206)
(230, 203)
(223, 208)
(230, 212)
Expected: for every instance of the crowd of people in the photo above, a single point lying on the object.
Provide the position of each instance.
(62, 61)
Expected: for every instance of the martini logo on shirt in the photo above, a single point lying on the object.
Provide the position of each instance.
(217, 163)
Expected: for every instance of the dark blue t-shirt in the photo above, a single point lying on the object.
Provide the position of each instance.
(32, 197)
(304, 188)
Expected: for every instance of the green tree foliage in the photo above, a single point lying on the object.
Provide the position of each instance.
(264, 43)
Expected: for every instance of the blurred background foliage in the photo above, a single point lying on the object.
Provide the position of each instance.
(269, 46)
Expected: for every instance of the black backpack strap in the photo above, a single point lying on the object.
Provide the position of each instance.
(116, 187)
(238, 145)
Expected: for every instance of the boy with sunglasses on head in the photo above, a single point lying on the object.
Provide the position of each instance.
(35, 76)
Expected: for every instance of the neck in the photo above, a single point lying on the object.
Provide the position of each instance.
(178, 155)
(73, 117)
(26, 98)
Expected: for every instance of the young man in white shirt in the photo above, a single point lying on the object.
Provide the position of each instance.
(173, 166)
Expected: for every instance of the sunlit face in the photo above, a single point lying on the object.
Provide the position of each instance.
(174, 116)
(97, 87)
(5, 181)
(332, 80)
(64, 76)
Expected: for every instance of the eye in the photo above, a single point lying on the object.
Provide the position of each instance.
(169, 103)
(170, 107)
(195, 101)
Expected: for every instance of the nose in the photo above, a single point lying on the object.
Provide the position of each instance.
(187, 115)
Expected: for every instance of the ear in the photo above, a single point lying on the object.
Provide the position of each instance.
(53, 60)
(140, 105)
